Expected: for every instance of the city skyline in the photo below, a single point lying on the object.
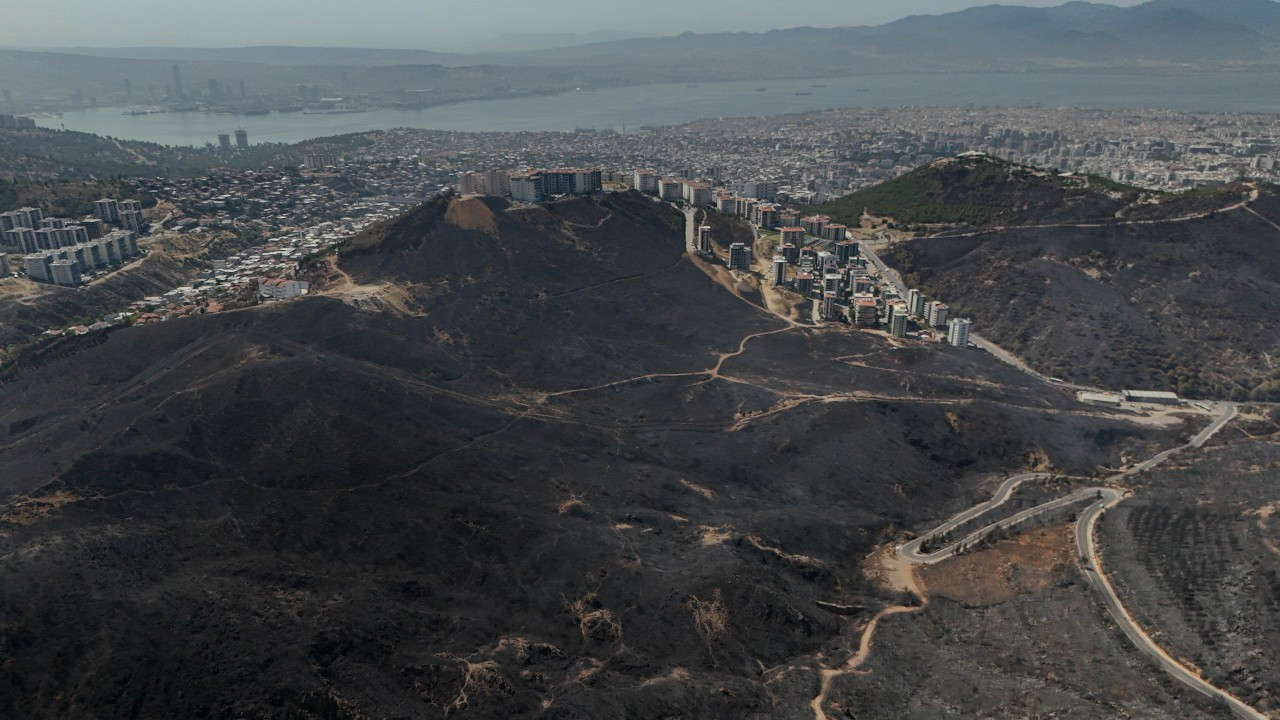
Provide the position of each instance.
(400, 24)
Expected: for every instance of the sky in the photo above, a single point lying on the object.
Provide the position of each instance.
(421, 24)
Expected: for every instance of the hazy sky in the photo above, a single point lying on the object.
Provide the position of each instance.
(426, 24)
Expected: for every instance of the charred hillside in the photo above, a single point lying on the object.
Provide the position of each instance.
(1182, 304)
(516, 463)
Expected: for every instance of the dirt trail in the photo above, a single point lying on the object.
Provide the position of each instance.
(897, 574)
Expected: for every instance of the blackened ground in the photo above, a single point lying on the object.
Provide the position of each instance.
(1180, 306)
(572, 479)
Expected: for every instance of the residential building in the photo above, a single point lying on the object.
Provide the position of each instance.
(815, 225)
(725, 204)
(313, 161)
(497, 183)
(760, 190)
(646, 181)
(131, 217)
(765, 215)
(804, 283)
(704, 240)
(793, 235)
(739, 257)
(937, 314)
(830, 310)
(898, 325)
(915, 303)
(37, 267)
(835, 232)
(846, 250)
(65, 273)
(4, 266)
(586, 182)
(831, 282)
(791, 252)
(242, 139)
(958, 332)
(779, 270)
(224, 141)
(470, 183)
(282, 288)
(527, 188)
(107, 210)
(22, 239)
(865, 313)
(670, 190)
(697, 194)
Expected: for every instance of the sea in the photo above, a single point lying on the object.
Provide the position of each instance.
(629, 108)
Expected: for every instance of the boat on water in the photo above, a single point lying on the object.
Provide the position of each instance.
(863, 90)
(804, 93)
(761, 89)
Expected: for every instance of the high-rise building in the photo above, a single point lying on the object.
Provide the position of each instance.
(107, 210)
(131, 217)
(793, 235)
(937, 315)
(804, 283)
(587, 181)
(915, 303)
(898, 325)
(242, 139)
(470, 183)
(779, 270)
(829, 307)
(497, 183)
(791, 252)
(815, 225)
(37, 266)
(4, 266)
(958, 332)
(48, 239)
(670, 190)
(831, 282)
(645, 181)
(697, 194)
(527, 188)
(224, 141)
(846, 251)
(65, 272)
(27, 217)
(739, 257)
(865, 313)
(319, 161)
(21, 238)
(704, 240)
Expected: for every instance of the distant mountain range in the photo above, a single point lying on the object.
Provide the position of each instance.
(1157, 35)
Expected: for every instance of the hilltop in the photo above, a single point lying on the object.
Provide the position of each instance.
(1172, 296)
(505, 462)
(981, 190)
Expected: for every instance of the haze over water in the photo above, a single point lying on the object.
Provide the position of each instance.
(670, 104)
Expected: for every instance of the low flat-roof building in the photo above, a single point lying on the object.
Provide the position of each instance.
(1110, 400)
(1152, 397)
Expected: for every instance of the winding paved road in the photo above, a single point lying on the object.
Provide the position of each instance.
(1086, 546)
